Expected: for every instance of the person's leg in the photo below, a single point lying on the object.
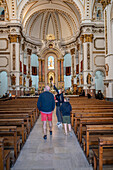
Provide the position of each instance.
(45, 127)
(44, 120)
(70, 130)
(65, 128)
(69, 127)
(57, 114)
(49, 116)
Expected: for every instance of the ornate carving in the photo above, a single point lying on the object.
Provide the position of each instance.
(105, 3)
(88, 56)
(87, 38)
(106, 42)
(14, 57)
(20, 80)
(14, 38)
(13, 80)
(89, 78)
(107, 69)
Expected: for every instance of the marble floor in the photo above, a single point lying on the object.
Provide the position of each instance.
(58, 152)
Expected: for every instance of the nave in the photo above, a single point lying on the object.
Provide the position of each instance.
(58, 152)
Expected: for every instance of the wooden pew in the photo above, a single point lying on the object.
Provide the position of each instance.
(104, 156)
(21, 112)
(4, 156)
(88, 111)
(89, 115)
(9, 133)
(95, 131)
(15, 122)
(92, 121)
(18, 116)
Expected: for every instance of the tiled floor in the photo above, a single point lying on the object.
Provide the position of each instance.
(58, 152)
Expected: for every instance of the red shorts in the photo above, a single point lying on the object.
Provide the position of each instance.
(45, 117)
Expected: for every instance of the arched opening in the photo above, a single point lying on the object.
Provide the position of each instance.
(99, 84)
(67, 70)
(34, 66)
(2, 14)
(3, 83)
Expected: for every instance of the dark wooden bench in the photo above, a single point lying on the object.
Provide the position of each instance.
(9, 133)
(92, 134)
(88, 111)
(92, 121)
(104, 153)
(88, 115)
(18, 116)
(4, 156)
(21, 130)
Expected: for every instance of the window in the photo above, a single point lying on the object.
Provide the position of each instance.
(68, 71)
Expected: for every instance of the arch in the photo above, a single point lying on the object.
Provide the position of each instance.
(99, 83)
(99, 69)
(3, 83)
(77, 3)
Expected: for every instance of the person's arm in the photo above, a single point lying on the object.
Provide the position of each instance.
(70, 108)
(53, 103)
(39, 103)
(56, 89)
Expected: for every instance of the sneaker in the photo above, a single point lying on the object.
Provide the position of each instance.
(45, 137)
(50, 132)
(58, 123)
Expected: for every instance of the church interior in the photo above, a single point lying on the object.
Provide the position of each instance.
(68, 43)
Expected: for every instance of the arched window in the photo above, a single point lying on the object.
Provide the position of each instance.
(2, 14)
(50, 62)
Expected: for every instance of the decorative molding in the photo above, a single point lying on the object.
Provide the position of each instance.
(5, 48)
(98, 38)
(88, 56)
(6, 61)
(106, 41)
(104, 3)
(87, 38)
(14, 38)
(98, 52)
(107, 69)
(95, 60)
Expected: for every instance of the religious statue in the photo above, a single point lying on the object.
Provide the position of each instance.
(89, 78)
(13, 79)
(81, 79)
(30, 82)
(51, 79)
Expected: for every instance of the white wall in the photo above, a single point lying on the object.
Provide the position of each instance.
(35, 79)
(67, 63)
(3, 83)
(99, 84)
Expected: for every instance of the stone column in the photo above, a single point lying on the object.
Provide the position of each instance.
(39, 60)
(87, 40)
(58, 70)
(43, 70)
(62, 70)
(15, 63)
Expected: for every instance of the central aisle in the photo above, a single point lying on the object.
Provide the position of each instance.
(58, 152)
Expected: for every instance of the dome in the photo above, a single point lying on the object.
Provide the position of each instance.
(60, 19)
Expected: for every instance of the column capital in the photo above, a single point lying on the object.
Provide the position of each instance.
(14, 38)
(87, 38)
(104, 3)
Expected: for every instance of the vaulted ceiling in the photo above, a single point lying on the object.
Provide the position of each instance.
(50, 17)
